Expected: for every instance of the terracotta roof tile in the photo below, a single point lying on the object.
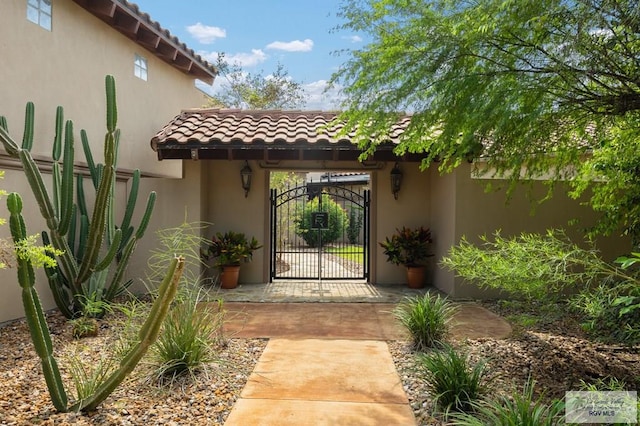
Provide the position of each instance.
(265, 127)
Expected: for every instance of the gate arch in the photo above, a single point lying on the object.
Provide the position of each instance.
(298, 251)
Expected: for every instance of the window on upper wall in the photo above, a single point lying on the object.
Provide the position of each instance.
(140, 67)
(39, 12)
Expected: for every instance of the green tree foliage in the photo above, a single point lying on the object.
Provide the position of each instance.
(257, 91)
(533, 86)
(338, 221)
(355, 224)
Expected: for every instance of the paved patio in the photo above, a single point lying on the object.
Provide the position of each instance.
(329, 363)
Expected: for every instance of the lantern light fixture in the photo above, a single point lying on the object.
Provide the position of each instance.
(245, 175)
(396, 180)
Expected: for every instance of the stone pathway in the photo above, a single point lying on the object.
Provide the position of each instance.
(329, 363)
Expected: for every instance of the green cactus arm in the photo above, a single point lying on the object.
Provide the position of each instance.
(82, 240)
(97, 227)
(56, 176)
(39, 189)
(71, 235)
(112, 110)
(27, 136)
(60, 291)
(116, 287)
(116, 137)
(151, 327)
(144, 222)
(111, 254)
(33, 309)
(110, 227)
(57, 140)
(58, 284)
(131, 200)
(82, 202)
(166, 292)
(7, 141)
(91, 164)
(66, 191)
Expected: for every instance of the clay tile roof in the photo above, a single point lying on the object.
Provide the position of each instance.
(126, 17)
(248, 127)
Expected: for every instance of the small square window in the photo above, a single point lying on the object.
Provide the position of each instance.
(140, 67)
(39, 12)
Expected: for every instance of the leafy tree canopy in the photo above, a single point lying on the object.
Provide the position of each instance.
(533, 86)
(256, 91)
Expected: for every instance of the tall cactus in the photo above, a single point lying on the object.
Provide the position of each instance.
(40, 331)
(90, 240)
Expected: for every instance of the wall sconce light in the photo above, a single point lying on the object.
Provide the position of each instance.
(396, 180)
(245, 175)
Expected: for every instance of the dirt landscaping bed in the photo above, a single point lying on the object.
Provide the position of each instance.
(551, 350)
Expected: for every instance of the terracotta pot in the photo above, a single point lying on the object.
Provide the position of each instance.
(229, 276)
(415, 276)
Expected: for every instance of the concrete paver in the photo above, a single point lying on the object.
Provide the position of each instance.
(328, 363)
(358, 321)
(297, 375)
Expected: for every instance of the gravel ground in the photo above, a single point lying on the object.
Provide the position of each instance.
(24, 399)
(553, 352)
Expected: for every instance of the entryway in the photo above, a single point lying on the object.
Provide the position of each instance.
(320, 228)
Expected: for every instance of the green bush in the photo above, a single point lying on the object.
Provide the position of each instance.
(426, 318)
(609, 311)
(521, 409)
(185, 345)
(355, 224)
(531, 266)
(454, 382)
(338, 221)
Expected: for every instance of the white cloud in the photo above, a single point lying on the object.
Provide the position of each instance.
(319, 98)
(257, 56)
(244, 59)
(353, 38)
(292, 46)
(206, 34)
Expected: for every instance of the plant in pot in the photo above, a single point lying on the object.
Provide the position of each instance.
(411, 248)
(230, 250)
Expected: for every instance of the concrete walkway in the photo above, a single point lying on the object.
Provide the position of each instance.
(329, 363)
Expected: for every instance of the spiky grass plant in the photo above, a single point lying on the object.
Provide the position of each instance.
(455, 383)
(87, 377)
(427, 319)
(521, 409)
(186, 344)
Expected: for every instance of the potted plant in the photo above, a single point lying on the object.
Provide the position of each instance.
(230, 250)
(411, 248)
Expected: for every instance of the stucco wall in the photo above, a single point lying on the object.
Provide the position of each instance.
(67, 66)
(229, 210)
(412, 209)
(482, 213)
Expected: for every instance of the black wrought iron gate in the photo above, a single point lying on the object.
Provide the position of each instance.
(320, 233)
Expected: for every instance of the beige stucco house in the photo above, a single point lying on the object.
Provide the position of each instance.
(60, 54)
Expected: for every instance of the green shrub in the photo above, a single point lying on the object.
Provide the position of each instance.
(355, 224)
(455, 383)
(338, 221)
(426, 318)
(185, 345)
(521, 409)
(532, 266)
(608, 312)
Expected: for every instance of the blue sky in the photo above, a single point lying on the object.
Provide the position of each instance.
(259, 34)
